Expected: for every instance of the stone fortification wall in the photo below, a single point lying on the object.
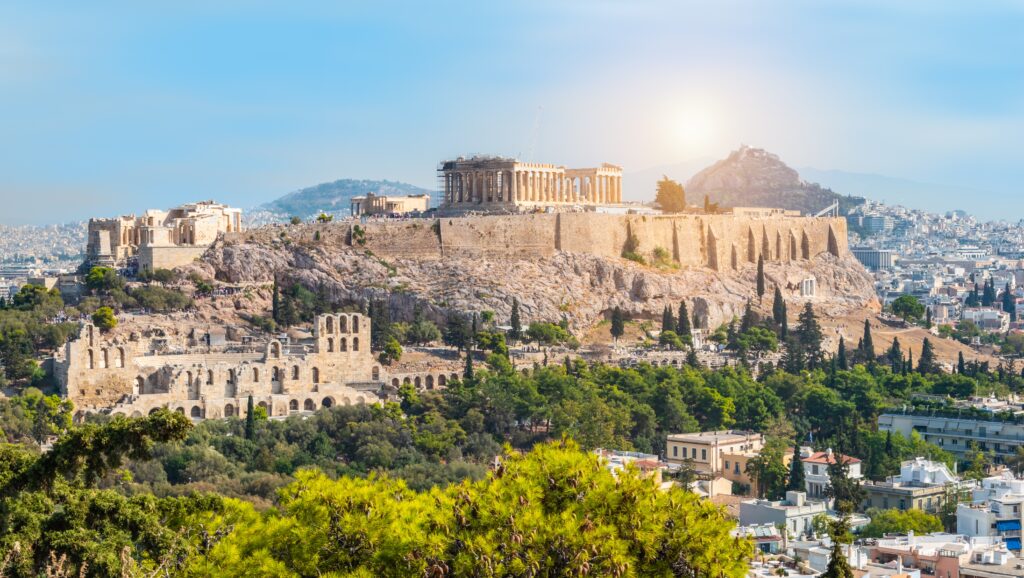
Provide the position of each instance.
(720, 242)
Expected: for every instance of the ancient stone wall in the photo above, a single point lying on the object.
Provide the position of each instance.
(720, 242)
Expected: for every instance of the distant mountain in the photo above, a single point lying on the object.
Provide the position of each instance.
(751, 177)
(932, 197)
(642, 185)
(332, 198)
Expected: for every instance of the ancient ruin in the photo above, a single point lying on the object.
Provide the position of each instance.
(211, 372)
(506, 185)
(160, 239)
(372, 204)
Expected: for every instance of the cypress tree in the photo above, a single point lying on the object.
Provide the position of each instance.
(468, 373)
(785, 321)
(797, 481)
(517, 325)
(472, 335)
(618, 324)
(692, 360)
(895, 356)
(275, 307)
(961, 366)
(683, 327)
(841, 355)
(568, 365)
(779, 307)
(910, 361)
(250, 420)
(1009, 303)
(928, 318)
(926, 364)
(760, 278)
(867, 345)
(809, 336)
(748, 320)
(988, 295)
(668, 323)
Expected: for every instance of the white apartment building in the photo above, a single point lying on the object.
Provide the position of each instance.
(996, 510)
(816, 471)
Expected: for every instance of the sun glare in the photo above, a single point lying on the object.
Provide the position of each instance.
(694, 130)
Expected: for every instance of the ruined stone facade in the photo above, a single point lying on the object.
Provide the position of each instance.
(505, 185)
(208, 375)
(373, 204)
(160, 239)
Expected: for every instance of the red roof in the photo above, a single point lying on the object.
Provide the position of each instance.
(827, 458)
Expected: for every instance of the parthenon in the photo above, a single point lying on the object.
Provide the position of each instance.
(498, 184)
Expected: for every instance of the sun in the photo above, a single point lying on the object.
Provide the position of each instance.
(694, 130)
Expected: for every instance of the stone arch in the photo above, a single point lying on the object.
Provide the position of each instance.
(295, 372)
(275, 349)
(119, 360)
(230, 389)
(154, 410)
(406, 380)
(327, 402)
(136, 413)
(430, 382)
(275, 374)
(751, 246)
(833, 242)
(90, 330)
(140, 385)
(229, 410)
(209, 377)
(104, 358)
(193, 385)
(375, 373)
(316, 375)
(330, 324)
(343, 324)
(805, 246)
(355, 323)
(361, 400)
(417, 382)
(152, 383)
(232, 377)
(196, 411)
(455, 376)
(394, 382)
(91, 359)
(343, 344)
(255, 375)
(355, 344)
(441, 381)
(309, 405)
(264, 405)
(330, 345)
(180, 410)
(347, 402)
(293, 405)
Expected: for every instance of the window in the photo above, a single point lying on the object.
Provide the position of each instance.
(693, 453)
(703, 455)
(814, 469)
(903, 504)
(726, 465)
(675, 451)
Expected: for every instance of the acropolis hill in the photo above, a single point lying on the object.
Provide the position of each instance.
(560, 265)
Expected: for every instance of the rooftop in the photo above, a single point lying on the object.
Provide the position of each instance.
(707, 437)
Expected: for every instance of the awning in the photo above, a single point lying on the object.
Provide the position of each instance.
(1005, 525)
(1013, 543)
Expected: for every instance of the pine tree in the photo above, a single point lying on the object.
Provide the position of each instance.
(793, 357)
(683, 327)
(760, 278)
(841, 355)
(516, 333)
(867, 345)
(961, 366)
(838, 564)
(250, 420)
(809, 336)
(618, 324)
(928, 318)
(926, 364)
(748, 320)
(797, 481)
(692, 360)
(467, 374)
(668, 323)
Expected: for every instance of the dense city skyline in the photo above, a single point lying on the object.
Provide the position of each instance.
(112, 107)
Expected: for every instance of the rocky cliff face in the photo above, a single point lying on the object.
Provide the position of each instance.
(751, 177)
(579, 287)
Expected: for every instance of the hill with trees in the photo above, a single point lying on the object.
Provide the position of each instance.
(333, 198)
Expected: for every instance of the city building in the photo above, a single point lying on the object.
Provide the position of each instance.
(955, 433)
(875, 259)
(816, 471)
(734, 467)
(988, 318)
(795, 513)
(921, 485)
(705, 450)
(995, 510)
(160, 239)
(506, 185)
(649, 465)
(373, 204)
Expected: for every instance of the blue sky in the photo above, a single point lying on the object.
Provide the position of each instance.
(111, 107)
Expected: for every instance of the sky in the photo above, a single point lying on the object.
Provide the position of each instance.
(115, 107)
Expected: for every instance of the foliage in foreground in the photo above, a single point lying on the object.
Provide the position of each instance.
(553, 512)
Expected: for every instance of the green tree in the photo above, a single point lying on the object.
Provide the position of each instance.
(838, 564)
(618, 324)
(668, 322)
(670, 196)
(103, 280)
(894, 521)
(809, 336)
(895, 355)
(867, 344)
(391, 352)
(457, 332)
(516, 331)
(797, 480)
(467, 373)
(1009, 302)
(250, 420)
(927, 363)
(760, 277)
(908, 307)
(841, 361)
(844, 490)
(768, 471)
(104, 319)
(683, 327)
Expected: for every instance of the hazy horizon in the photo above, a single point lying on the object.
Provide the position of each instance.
(113, 108)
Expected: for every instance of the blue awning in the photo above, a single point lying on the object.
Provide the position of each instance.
(1013, 543)
(1005, 525)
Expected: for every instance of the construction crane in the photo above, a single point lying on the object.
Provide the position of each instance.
(831, 211)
